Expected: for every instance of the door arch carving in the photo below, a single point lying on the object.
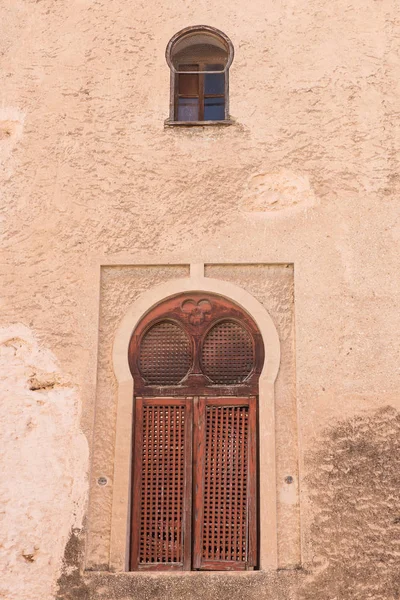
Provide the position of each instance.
(196, 343)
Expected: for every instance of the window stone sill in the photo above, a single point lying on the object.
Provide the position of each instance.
(223, 123)
(89, 573)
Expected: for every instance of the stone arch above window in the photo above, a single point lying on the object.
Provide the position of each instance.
(199, 58)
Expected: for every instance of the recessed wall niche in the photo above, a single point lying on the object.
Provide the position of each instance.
(120, 288)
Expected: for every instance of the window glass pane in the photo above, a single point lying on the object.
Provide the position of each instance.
(214, 84)
(187, 67)
(188, 109)
(188, 85)
(214, 109)
(213, 67)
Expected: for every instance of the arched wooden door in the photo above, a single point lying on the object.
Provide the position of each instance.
(196, 360)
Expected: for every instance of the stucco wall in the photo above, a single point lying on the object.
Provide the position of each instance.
(308, 175)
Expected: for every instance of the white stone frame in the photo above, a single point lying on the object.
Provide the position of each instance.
(120, 517)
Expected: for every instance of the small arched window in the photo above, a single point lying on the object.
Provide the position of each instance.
(199, 59)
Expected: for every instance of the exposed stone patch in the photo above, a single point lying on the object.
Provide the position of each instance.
(354, 490)
(44, 381)
(277, 192)
(29, 554)
(35, 384)
(44, 461)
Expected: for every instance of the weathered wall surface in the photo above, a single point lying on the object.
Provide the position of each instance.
(43, 466)
(307, 175)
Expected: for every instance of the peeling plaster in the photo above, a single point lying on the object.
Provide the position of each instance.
(44, 458)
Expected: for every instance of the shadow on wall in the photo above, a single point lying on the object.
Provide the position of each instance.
(353, 488)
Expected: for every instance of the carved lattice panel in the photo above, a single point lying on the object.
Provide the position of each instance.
(225, 478)
(165, 354)
(162, 482)
(196, 344)
(227, 353)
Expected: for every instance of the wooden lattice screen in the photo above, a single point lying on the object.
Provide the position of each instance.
(225, 484)
(227, 355)
(162, 484)
(196, 362)
(165, 356)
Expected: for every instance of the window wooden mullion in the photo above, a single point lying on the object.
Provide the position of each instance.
(176, 96)
(137, 484)
(201, 94)
(252, 486)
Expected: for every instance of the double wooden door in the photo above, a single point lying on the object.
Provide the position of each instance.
(194, 496)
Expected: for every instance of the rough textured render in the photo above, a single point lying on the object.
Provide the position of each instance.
(356, 533)
(307, 175)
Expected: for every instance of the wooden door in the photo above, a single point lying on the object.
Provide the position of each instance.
(162, 484)
(196, 360)
(224, 513)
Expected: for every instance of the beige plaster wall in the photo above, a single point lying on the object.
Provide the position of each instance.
(307, 175)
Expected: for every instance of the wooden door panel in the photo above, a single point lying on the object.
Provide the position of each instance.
(225, 534)
(162, 482)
